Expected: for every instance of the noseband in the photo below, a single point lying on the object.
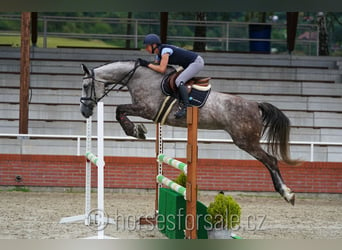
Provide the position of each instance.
(123, 82)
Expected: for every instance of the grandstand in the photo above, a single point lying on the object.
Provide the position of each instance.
(308, 89)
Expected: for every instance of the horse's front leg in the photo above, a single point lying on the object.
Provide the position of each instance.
(130, 128)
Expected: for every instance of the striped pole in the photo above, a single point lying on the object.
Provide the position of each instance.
(93, 158)
(173, 185)
(173, 162)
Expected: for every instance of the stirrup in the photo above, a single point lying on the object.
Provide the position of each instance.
(181, 113)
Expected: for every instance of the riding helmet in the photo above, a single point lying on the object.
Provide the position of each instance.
(151, 39)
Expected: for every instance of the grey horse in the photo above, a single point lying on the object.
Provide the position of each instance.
(246, 121)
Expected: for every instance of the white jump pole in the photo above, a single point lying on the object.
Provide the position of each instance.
(173, 162)
(100, 169)
(88, 173)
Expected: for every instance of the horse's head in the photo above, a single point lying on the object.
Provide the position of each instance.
(92, 91)
(99, 81)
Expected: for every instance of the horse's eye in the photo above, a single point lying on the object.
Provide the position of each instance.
(86, 85)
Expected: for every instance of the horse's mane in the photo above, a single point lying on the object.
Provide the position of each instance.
(169, 67)
(111, 62)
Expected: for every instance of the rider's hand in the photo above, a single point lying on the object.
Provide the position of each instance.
(143, 62)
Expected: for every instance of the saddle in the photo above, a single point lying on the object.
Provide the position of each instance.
(199, 83)
(198, 89)
(195, 86)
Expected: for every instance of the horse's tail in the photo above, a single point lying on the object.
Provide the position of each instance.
(277, 125)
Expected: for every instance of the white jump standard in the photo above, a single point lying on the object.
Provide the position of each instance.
(84, 217)
(98, 214)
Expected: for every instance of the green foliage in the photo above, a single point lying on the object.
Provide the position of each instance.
(260, 17)
(71, 28)
(224, 212)
(9, 25)
(101, 28)
(181, 179)
(53, 42)
(19, 189)
(98, 26)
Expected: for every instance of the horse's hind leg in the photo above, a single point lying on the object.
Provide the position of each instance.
(271, 163)
(130, 128)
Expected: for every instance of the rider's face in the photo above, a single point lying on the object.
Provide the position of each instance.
(152, 48)
(149, 48)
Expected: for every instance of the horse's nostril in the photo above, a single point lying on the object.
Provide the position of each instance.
(85, 115)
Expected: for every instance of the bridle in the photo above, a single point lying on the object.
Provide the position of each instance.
(123, 82)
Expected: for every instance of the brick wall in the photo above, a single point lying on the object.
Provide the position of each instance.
(128, 172)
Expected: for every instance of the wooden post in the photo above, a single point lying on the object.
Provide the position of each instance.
(291, 29)
(34, 28)
(24, 72)
(191, 184)
(164, 19)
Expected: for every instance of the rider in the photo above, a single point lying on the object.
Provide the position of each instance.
(170, 54)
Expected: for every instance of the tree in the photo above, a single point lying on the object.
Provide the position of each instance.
(328, 23)
(323, 44)
(333, 26)
(260, 17)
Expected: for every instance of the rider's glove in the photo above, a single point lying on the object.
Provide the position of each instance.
(143, 62)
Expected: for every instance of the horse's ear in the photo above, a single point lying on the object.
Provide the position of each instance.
(85, 69)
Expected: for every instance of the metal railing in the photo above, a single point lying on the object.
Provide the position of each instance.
(78, 139)
(220, 35)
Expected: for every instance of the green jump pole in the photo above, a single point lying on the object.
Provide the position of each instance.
(173, 162)
(174, 186)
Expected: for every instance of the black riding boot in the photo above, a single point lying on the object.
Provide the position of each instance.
(183, 92)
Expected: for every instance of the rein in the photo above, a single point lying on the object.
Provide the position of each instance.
(123, 82)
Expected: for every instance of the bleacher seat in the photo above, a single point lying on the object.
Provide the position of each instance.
(308, 89)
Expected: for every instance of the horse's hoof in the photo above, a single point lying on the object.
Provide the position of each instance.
(290, 198)
(141, 137)
(142, 128)
(140, 131)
